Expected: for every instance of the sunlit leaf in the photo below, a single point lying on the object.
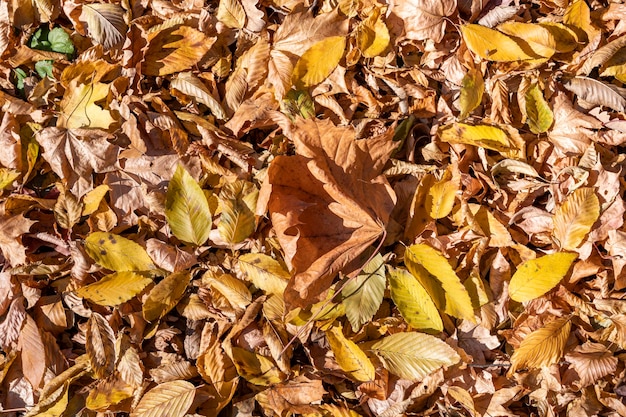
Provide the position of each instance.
(265, 272)
(349, 356)
(231, 13)
(106, 23)
(79, 108)
(434, 272)
(539, 39)
(165, 295)
(413, 301)
(441, 197)
(237, 206)
(490, 137)
(187, 209)
(472, 90)
(364, 294)
(538, 113)
(373, 35)
(169, 398)
(575, 217)
(255, 368)
(318, 61)
(493, 45)
(414, 355)
(189, 84)
(117, 253)
(100, 345)
(536, 277)
(542, 347)
(115, 289)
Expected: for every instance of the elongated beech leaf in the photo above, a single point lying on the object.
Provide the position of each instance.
(115, 289)
(472, 89)
(350, 357)
(171, 399)
(413, 301)
(414, 355)
(165, 295)
(536, 277)
(574, 218)
(364, 294)
(598, 93)
(486, 136)
(117, 253)
(542, 347)
(434, 272)
(237, 205)
(539, 39)
(318, 62)
(264, 272)
(187, 209)
(493, 45)
(538, 112)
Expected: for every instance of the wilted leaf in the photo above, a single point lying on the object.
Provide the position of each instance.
(492, 45)
(115, 289)
(169, 398)
(318, 61)
(472, 90)
(364, 294)
(536, 277)
(538, 113)
(117, 253)
(189, 84)
(187, 209)
(31, 346)
(100, 346)
(543, 347)
(165, 295)
(436, 275)
(413, 301)
(598, 93)
(574, 218)
(414, 355)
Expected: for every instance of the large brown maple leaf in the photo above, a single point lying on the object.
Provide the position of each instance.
(328, 203)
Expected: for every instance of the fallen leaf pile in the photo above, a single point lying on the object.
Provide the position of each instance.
(333, 208)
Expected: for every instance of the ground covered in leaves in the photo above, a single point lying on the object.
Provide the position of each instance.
(337, 208)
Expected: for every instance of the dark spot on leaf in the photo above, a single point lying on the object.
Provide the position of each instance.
(101, 241)
(103, 252)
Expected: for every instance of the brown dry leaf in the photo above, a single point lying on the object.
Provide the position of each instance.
(32, 348)
(13, 227)
(328, 203)
(297, 395)
(424, 19)
(591, 362)
(100, 345)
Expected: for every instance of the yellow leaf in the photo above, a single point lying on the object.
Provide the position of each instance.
(497, 233)
(174, 49)
(413, 301)
(372, 35)
(578, 16)
(231, 288)
(7, 176)
(117, 253)
(115, 289)
(108, 392)
(542, 347)
(231, 13)
(255, 368)
(492, 45)
(414, 355)
(486, 136)
(536, 277)
(53, 406)
(165, 295)
(538, 38)
(350, 358)
(441, 196)
(564, 37)
(538, 112)
(472, 89)
(171, 399)
(574, 218)
(79, 108)
(91, 200)
(264, 272)
(363, 294)
(434, 272)
(237, 205)
(318, 62)
(187, 209)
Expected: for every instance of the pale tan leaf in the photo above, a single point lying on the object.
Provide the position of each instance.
(106, 23)
(12, 324)
(171, 399)
(231, 13)
(574, 218)
(598, 93)
(100, 345)
(592, 362)
(189, 84)
(424, 19)
(33, 353)
(542, 347)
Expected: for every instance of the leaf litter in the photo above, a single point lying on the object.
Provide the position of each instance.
(336, 208)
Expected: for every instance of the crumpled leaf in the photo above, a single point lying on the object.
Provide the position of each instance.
(328, 203)
(13, 227)
(424, 19)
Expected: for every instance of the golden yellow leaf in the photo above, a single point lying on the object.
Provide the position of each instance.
(542, 347)
(231, 13)
(538, 112)
(492, 45)
(108, 392)
(413, 355)
(574, 218)
(264, 272)
(372, 35)
(349, 356)
(497, 233)
(434, 272)
(165, 295)
(472, 89)
(538, 38)
(171, 399)
(255, 368)
(91, 200)
(578, 17)
(413, 301)
(486, 136)
(318, 62)
(78, 109)
(117, 253)
(441, 196)
(536, 277)
(115, 289)
(237, 206)
(234, 290)
(53, 406)
(187, 209)
(565, 38)
(7, 176)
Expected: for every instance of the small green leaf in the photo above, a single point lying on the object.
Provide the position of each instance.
(187, 209)
(44, 68)
(364, 294)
